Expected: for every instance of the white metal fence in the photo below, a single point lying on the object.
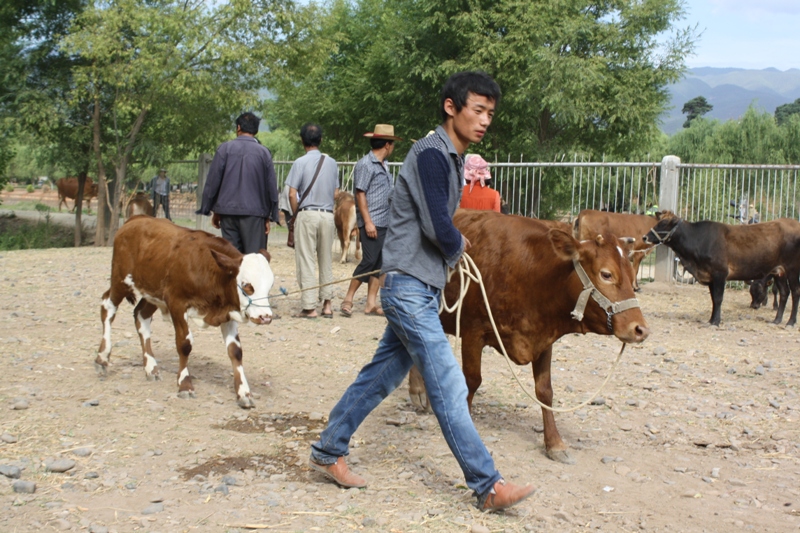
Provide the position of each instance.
(560, 190)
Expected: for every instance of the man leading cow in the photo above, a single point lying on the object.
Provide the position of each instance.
(420, 244)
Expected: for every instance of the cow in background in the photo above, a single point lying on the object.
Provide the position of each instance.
(68, 188)
(186, 274)
(715, 253)
(139, 204)
(529, 273)
(591, 223)
(344, 217)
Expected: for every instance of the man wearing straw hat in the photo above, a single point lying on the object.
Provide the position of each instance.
(373, 186)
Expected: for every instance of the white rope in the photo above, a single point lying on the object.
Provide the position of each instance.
(469, 272)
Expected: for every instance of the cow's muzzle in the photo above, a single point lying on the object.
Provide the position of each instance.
(261, 320)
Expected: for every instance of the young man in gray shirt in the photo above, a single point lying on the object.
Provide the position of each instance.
(421, 243)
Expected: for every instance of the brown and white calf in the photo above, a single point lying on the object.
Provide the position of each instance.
(186, 274)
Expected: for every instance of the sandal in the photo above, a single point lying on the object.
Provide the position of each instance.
(346, 309)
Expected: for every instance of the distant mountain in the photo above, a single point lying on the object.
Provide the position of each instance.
(731, 91)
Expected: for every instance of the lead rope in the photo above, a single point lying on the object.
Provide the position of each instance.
(469, 272)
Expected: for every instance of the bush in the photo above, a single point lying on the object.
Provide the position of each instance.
(9, 187)
(30, 188)
(20, 234)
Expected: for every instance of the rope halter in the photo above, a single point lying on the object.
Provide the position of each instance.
(665, 239)
(252, 301)
(611, 308)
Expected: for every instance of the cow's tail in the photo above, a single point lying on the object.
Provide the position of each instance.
(131, 298)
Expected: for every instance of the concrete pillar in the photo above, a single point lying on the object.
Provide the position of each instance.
(667, 199)
(203, 164)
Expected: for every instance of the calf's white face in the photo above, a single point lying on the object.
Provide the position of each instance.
(255, 280)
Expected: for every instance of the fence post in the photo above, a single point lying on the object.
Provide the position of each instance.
(203, 164)
(667, 199)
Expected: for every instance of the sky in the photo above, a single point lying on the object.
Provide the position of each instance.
(753, 34)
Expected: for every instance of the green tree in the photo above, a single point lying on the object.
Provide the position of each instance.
(576, 74)
(165, 73)
(696, 107)
(783, 112)
(754, 138)
(30, 66)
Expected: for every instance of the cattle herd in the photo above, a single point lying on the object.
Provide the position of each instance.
(543, 279)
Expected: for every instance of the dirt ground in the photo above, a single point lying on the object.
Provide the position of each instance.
(697, 429)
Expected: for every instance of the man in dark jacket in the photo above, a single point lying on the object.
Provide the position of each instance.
(241, 189)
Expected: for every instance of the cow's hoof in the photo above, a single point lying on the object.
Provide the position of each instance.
(186, 394)
(246, 403)
(153, 377)
(561, 456)
(102, 370)
(420, 401)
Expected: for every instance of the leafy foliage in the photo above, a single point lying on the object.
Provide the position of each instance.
(783, 112)
(696, 107)
(164, 78)
(576, 74)
(756, 138)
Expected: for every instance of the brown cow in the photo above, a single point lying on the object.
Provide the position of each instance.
(187, 274)
(590, 223)
(344, 217)
(714, 253)
(139, 205)
(529, 272)
(68, 188)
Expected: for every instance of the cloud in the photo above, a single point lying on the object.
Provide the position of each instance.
(760, 6)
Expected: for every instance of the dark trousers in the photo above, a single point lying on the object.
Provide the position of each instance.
(246, 233)
(162, 200)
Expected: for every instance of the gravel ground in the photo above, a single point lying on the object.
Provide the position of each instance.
(696, 431)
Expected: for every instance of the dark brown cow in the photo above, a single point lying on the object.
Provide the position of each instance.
(187, 274)
(590, 223)
(344, 217)
(68, 188)
(714, 252)
(530, 277)
(139, 205)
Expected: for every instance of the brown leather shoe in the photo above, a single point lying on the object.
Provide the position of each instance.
(339, 473)
(504, 495)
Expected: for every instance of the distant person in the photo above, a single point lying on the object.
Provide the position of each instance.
(313, 182)
(476, 171)
(241, 189)
(373, 185)
(159, 187)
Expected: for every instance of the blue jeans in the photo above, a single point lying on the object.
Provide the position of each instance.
(414, 336)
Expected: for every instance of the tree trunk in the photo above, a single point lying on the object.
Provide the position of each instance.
(79, 208)
(100, 229)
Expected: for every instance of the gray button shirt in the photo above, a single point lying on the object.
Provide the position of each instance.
(301, 174)
(372, 177)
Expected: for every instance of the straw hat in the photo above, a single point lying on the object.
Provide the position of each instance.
(383, 131)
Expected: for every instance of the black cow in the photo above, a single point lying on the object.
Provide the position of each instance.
(714, 253)
(759, 290)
